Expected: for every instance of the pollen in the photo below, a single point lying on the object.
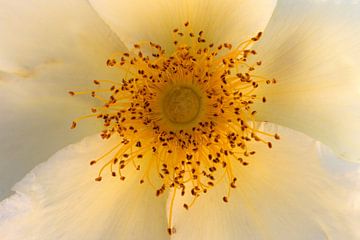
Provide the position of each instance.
(184, 115)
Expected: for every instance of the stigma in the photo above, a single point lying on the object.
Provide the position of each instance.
(183, 115)
(181, 105)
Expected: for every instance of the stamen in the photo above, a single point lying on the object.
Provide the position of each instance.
(184, 117)
(171, 229)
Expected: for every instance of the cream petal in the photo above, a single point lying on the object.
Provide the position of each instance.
(312, 48)
(284, 193)
(227, 20)
(46, 49)
(59, 199)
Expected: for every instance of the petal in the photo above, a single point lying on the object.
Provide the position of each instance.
(59, 199)
(312, 48)
(46, 49)
(284, 193)
(229, 21)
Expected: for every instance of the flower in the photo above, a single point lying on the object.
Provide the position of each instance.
(297, 189)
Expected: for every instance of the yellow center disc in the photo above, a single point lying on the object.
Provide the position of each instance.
(181, 105)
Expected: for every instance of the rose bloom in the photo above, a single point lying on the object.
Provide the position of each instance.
(199, 119)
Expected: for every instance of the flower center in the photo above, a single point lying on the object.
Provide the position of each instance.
(181, 105)
(185, 117)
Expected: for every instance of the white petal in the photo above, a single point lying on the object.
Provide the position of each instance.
(46, 49)
(59, 199)
(226, 20)
(313, 49)
(284, 193)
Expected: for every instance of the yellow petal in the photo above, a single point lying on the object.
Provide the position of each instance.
(59, 199)
(47, 48)
(226, 20)
(284, 193)
(312, 48)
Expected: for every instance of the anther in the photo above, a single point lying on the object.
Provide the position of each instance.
(171, 231)
(258, 36)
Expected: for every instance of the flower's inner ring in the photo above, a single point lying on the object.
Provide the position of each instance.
(181, 105)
